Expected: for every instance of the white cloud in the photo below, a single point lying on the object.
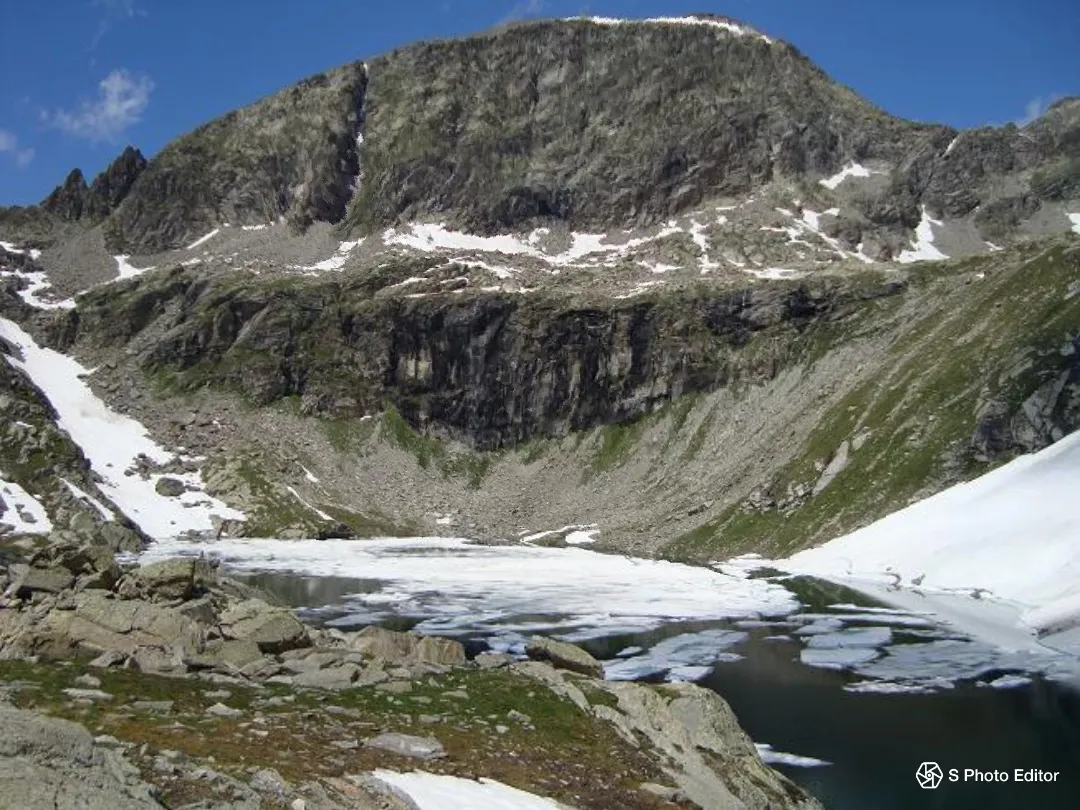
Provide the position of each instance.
(1037, 107)
(9, 144)
(122, 100)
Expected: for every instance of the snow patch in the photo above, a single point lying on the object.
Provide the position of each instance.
(313, 508)
(922, 247)
(113, 443)
(1075, 220)
(127, 270)
(22, 511)
(335, 262)
(770, 756)
(429, 791)
(38, 283)
(309, 475)
(952, 145)
(851, 170)
(203, 239)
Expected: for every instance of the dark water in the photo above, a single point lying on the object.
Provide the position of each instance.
(875, 742)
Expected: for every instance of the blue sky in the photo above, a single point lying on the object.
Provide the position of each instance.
(82, 78)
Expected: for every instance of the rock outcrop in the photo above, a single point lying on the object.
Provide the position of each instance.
(48, 764)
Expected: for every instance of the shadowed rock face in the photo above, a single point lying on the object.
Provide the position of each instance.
(492, 370)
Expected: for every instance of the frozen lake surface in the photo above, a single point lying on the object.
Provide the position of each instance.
(845, 694)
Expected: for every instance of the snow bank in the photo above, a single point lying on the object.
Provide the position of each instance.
(922, 247)
(1012, 535)
(851, 170)
(22, 511)
(461, 587)
(429, 791)
(113, 442)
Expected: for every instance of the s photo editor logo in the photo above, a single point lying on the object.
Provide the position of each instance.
(929, 775)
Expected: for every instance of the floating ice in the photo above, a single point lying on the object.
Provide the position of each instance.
(463, 587)
(851, 638)
(837, 657)
(679, 652)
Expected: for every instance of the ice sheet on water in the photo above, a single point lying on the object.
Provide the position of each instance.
(688, 650)
(475, 586)
(837, 657)
(824, 625)
(429, 791)
(851, 638)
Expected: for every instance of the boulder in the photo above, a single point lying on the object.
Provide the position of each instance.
(119, 538)
(407, 648)
(333, 678)
(273, 629)
(99, 624)
(564, 656)
(228, 655)
(49, 764)
(423, 748)
(44, 580)
(170, 487)
(181, 578)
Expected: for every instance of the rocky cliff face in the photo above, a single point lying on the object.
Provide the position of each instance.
(490, 370)
(588, 123)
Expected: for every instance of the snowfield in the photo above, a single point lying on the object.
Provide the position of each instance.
(1002, 550)
(113, 443)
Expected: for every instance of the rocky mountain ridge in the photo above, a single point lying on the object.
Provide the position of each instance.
(579, 124)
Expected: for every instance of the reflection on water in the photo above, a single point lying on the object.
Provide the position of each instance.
(300, 591)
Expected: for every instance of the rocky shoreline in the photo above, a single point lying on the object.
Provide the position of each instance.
(190, 689)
